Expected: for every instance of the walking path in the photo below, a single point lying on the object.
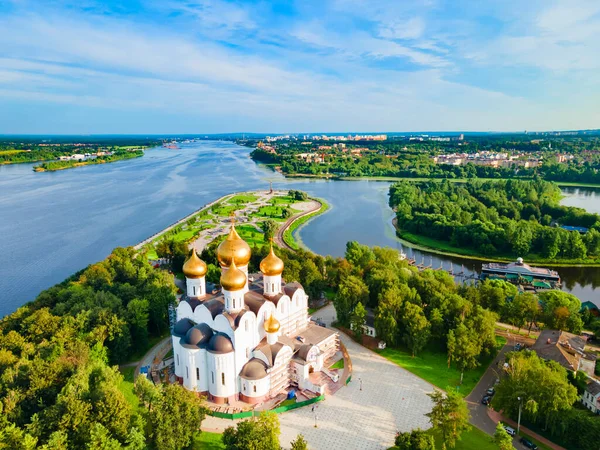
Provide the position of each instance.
(308, 208)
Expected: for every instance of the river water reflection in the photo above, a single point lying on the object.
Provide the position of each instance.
(53, 224)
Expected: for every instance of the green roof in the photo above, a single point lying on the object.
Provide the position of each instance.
(542, 284)
(511, 276)
(527, 278)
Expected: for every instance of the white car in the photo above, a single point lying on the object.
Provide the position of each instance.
(510, 430)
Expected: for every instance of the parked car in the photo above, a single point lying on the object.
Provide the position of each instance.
(486, 400)
(490, 392)
(527, 443)
(517, 346)
(509, 430)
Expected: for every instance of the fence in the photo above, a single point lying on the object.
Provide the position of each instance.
(281, 409)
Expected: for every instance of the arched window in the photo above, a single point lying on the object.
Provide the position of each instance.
(223, 378)
(254, 388)
(212, 376)
(194, 290)
(177, 359)
(273, 288)
(187, 372)
(197, 373)
(234, 303)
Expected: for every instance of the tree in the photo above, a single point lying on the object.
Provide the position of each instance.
(102, 440)
(176, 414)
(299, 443)
(542, 387)
(561, 311)
(415, 328)
(415, 440)
(450, 415)
(259, 434)
(351, 291)
(269, 228)
(357, 321)
(502, 439)
(463, 349)
(359, 255)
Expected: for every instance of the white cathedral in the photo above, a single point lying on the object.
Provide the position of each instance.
(253, 339)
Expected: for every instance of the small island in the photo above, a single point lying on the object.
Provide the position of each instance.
(65, 152)
(79, 160)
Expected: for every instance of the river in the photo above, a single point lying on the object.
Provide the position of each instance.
(53, 224)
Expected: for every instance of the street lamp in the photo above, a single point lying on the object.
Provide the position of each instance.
(519, 420)
(316, 420)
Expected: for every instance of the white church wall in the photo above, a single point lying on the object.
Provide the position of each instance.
(184, 311)
(203, 315)
(255, 388)
(177, 355)
(222, 381)
(222, 324)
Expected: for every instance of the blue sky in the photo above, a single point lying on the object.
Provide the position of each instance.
(211, 66)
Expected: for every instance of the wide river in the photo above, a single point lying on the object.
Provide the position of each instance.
(54, 224)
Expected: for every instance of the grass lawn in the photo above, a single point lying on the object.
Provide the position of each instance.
(126, 386)
(207, 441)
(151, 252)
(291, 401)
(243, 198)
(432, 365)
(474, 439)
(338, 365)
(286, 200)
(273, 212)
(251, 235)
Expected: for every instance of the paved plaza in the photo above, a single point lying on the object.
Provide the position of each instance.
(391, 400)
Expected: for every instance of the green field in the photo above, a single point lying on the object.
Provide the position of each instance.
(474, 439)
(251, 235)
(432, 365)
(243, 198)
(207, 441)
(126, 386)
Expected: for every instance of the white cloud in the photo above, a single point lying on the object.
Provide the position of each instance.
(412, 28)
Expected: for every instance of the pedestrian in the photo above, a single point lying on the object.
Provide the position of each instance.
(313, 408)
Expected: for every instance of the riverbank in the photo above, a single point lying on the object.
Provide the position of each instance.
(438, 247)
(414, 179)
(286, 234)
(54, 166)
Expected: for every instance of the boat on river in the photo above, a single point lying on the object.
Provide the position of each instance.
(522, 274)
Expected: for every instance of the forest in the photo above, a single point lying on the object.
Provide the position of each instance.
(508, 218)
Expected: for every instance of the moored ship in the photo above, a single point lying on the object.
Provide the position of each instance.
(522, 274)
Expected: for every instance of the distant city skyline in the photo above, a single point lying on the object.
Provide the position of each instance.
(216, 66)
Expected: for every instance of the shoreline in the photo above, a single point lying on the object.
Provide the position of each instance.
(422, 247)
(287, 231)
(92, 162)
(417, 179)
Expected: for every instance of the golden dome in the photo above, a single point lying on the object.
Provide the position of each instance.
(272, 324)
(194, 267)
(233, 279)
(233, 245)
(271, 265)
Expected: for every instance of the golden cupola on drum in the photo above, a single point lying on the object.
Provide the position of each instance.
(194, 270)
(271, 267)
